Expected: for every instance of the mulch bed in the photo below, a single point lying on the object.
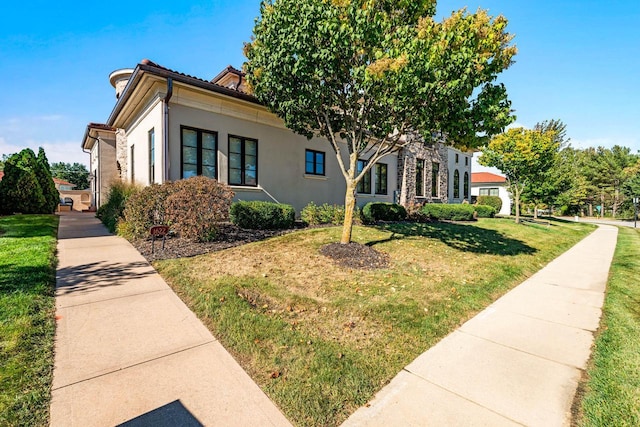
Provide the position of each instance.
(355, 255)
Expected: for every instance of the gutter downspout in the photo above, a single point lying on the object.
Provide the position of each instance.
(165, 127)
(98, 175)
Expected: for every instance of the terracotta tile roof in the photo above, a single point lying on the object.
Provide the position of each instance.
(483, 177)
(1, 175)
(59, 181)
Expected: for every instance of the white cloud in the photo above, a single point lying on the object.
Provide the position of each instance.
(516, 125)
(476, 167)
(56, 151)
(607, 142)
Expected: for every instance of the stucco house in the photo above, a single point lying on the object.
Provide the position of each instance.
(168, 125)
(490, 184)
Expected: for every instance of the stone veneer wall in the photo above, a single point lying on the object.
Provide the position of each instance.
(430, 153)
(121, 153)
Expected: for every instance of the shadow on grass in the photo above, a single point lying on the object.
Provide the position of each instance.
(466, 238)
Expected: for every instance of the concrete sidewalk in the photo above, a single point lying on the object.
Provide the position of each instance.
(516, 363)
(128, 351)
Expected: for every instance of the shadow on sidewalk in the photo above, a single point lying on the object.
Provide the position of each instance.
(96, 275)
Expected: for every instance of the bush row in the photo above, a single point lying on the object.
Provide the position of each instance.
(494, 201)
(313, 214)
(260, 215)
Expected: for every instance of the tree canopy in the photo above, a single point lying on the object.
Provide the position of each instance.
(75, 173)
(365, 75)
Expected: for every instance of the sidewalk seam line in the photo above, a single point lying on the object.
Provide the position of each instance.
(114, 298)
(134, 365)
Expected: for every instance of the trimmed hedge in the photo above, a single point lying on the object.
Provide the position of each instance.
(485, 211)
(451, 212)
(382, 211)
(494, 201)
(112, 210)
(313, 214)
(258, 215)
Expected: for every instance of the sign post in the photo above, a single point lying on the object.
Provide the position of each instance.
(158, 231)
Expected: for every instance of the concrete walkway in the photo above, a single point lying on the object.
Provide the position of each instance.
(516, 363)
(128, 351)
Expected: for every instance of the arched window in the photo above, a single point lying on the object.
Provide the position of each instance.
(456, 184)
(466, 185)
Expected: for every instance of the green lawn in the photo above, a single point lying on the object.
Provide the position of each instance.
(612, 389)
(321, 340)
(27, 282)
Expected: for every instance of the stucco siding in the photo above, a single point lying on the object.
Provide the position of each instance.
(138, 138)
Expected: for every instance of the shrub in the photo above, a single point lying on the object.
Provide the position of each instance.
(145, 209)
(259, 215)
(451, 212)
(313, 214)
(380, 211)
(415, 214)
(111, 211)
(196, 206)
(485, 211)
(494, 201)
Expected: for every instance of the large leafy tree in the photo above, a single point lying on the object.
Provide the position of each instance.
(523, 155)
(365, 74)
(75, 173)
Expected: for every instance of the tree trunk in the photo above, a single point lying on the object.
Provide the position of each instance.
(535, 211)
(517, 202)
(349, 207)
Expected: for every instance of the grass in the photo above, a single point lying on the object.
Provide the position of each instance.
(321, 340)
(27, 281)
(612, 390)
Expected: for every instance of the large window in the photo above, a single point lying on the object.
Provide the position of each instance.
(199, 152)
(314, 162)
(489, 191)
(152, 156)
(456, 184)
(364, 185)
(435, 179)
(419, 177)
(466, 185)
(243, 161)
(381, 178)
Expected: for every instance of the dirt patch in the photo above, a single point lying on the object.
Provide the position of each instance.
(229, 236)
(355, 255)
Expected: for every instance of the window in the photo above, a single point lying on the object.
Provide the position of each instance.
(133, 171)
(381, 178)
(364, 185)
(435, 179)
(456, 157)
(456, 184)
(314, 162)
(199, 152)
(466, 161)
(243, 161)
(489, 191)
(466, 185)
(152, 156)
(419, 177)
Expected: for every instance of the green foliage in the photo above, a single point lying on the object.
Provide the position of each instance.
(112, 210)
(145, 208)
(75, 173)
(380, 211)
(27, 324)
(484, 211)
(313, 214)
(196, 206)
(450, 212)
(362, 74)
(258, 215)
(27, 186)
(493, 201)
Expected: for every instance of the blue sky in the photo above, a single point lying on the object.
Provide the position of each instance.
(578, 61)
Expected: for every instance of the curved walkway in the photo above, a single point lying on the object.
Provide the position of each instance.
(128, 351)
(518, 362)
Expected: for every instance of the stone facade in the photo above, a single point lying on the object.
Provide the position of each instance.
(121, 153)
(431, 153)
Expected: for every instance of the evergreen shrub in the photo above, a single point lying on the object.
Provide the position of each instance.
(258, 215)
(450, 212)
(313, 214)
(382, 211)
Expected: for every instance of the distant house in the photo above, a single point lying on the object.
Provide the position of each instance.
(490, 184)
(167, 126)
(62, 185)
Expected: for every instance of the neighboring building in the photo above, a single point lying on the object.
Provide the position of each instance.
(63, 185)
(489, 184)
(168, 125)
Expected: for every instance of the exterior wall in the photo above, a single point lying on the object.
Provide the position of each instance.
(281, 158)
(407, 161)
(81, 198)
(103, 168)
(137, 136)
(462, 165)
(121, 153)
(503, 193)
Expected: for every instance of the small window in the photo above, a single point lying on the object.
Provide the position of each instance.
(466, 161)
(456, 184)
(199, 152)
(364, 185)
(314, 162)
(419, 178)
(466, 185)
(489, 191)
(152, 156)
(456, 157)
(435, 179)
(243, 161)
(381, 178)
